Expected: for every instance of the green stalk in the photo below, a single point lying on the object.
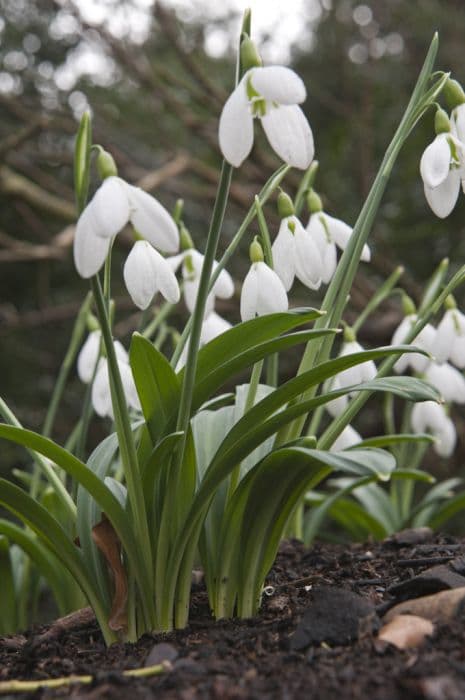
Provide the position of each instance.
(128, 456)
(71, 352)
(377, 299)
(272, 367)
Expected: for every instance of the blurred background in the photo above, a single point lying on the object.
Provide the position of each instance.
(155, 76)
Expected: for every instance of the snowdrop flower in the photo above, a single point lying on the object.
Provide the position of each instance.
(271, 94)
(294, 251)
(262, 291)
(430, 417)
(212, 326)
(146, 272)
(364, 372)
(449, 343)
(90, 353)
(348, 438)
(192, 263)
(424, 340)
(440, 167)
(101, 393)
(447, 380)
(328, 232)
(113, 205)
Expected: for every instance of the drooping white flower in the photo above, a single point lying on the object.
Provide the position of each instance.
(347, 438)
(430, 417)
(364, 372)
(192, 263)
(424, 340)
(449, 343)
(328, 232)
(101, 393)
(295, 254)
(271, 94)
(113, 205)
(146, 272)
(440, 169)
(212, 326)
(90, 353)
(448, 381)
(262, 292)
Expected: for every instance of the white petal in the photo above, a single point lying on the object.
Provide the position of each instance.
(278, 84)
(249, 294)
(442, 198)
(457, 354)
(236, 127)
(166, 280)
(445, 338)
(283, 251)
(359, 373)
(308, 263)
(336, 406)
(458, 122)
(129, 386)
(431, 417)
(347, 438)
(121, 352)
(213, 326)
(152, 221)
(139, 274)
(101, 395)
(224, 285)
(110, 207)
(175, 260)
(272, 296)
(89, 249)
(289, 134)
(435, 161)
(446, 437)
(325, 246)
(448, 381)
(341, 232)
(88, 357)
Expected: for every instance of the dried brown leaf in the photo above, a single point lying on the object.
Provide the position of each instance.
(109, 544)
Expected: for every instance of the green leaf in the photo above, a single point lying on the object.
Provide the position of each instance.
(157, 385)
(388, 440)
(8, 604)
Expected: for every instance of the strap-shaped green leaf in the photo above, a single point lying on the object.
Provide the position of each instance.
(8, 603)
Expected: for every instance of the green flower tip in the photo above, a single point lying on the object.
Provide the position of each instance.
(186, 240)
(250, 58)
(349, 334)
(256, 251)
(178, 209)
(285, 205)
(106, 165)
(441, 122)
(314, 202)
(92, 323)
(408, 306)
(453, 93)
(450, 303)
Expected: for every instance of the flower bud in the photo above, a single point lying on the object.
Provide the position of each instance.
(177, 212)
(450, 303)
(106, 165)
(92, 323)
(441, 122)
(349, 334)
(453, 93)
(185, 237)
(314, 202)
(285, 205)
(250, 58)
(256, 251)
(408, 306)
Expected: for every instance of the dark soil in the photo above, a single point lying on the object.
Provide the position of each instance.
(258, 658)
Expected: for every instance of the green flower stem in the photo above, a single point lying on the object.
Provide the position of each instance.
(272, 363)
(272, 184)
(161, 316)
(86, 415)
(306, 184)
(128, 454)
(377, 299)
(44, 465)
(76, 338)
(338, 425)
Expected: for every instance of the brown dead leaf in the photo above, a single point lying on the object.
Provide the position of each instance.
(109, 544)
(406, 631)
(440, 607)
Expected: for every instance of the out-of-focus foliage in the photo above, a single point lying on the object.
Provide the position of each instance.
(156, 97)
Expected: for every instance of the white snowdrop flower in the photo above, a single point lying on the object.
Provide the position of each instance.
(449, 343)
(113, 205)
(146, 272)
(364, 372)
(424, 340)
(212, 326)
(271, 94)
(327, 233)
(101, 393)
(430, 417)
(192, 263)
(295, 254)
(262, 291)
(347, 438)
(447, 380)
(90, 353)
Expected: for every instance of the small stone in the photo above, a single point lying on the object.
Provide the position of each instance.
(440, 607)
(411, 536)
(161, 652)
(433, 580)
(406, 631)
(335, 616)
